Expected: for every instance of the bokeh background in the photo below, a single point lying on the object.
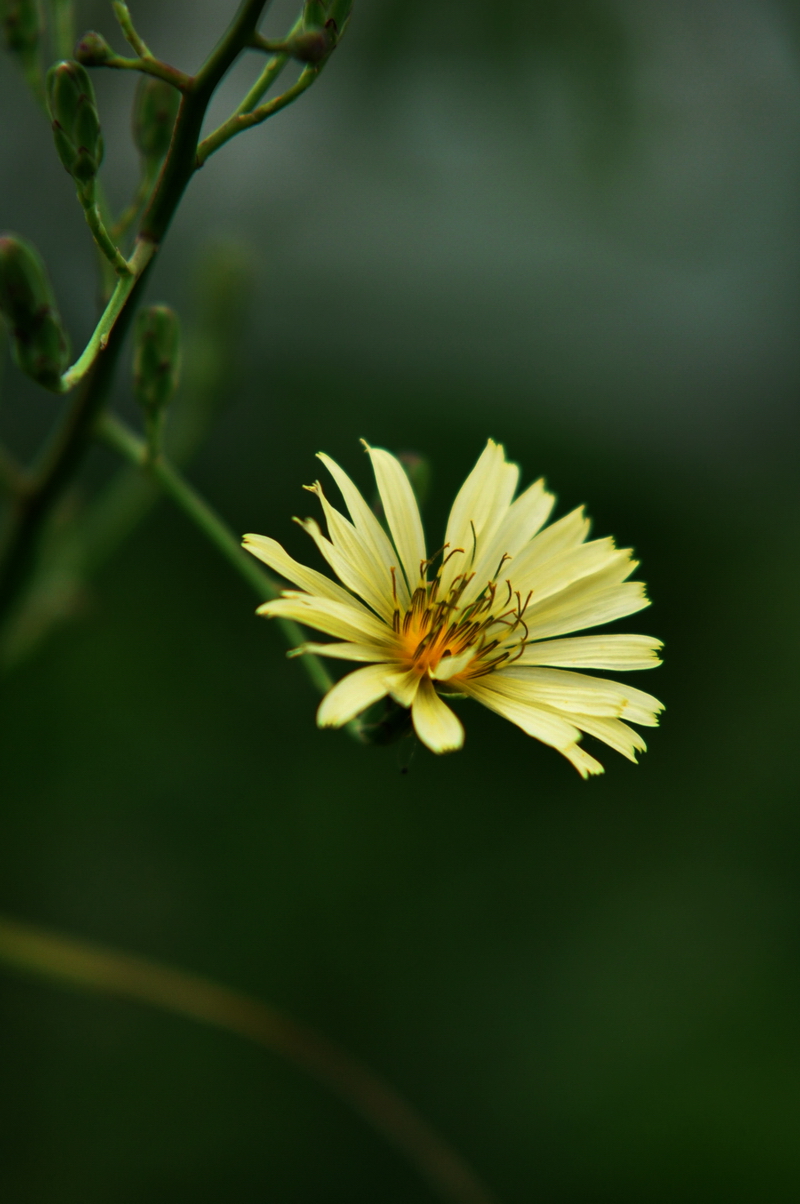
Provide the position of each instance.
(572, 227)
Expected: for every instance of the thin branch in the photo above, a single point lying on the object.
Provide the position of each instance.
(105, 244)
(151, 66)
(95, 968)
(134, 40)
(98, 342)
(238, 122)
(268, 76)
(117, 435)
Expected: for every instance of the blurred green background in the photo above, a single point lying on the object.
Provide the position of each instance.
(573, 228)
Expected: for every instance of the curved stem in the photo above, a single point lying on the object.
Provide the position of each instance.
(95, 968)
(244, 121)
(101, 236)
(117, 435)
(67, 447)
(141, 257)
(268, 76)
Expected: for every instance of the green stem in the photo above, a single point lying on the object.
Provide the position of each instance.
(63, 28)
(102, 333)
(151, 66)
(117, 435)
(244, 121)
(91, 967)
(67, 447)
(128, 216)
(122, 13)
(268, 76)
(101, 236)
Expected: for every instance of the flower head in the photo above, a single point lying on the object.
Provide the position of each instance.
(483, 617)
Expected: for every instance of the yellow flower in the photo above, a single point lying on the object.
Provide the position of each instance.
(483, 617)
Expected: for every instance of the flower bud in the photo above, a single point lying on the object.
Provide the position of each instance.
(154, 111)
(38, 341)
(76, 124)
(156, 357)
(21, 22)
(310, 46)
(93, 50)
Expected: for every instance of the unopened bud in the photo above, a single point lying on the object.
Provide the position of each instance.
(310, 46)
(154, 111)
(156, 357)
(21, 22)
(38, 341)
(76, 124)
(93, 50)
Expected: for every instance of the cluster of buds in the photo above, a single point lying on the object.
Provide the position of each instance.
(76, 123)
(38, 341)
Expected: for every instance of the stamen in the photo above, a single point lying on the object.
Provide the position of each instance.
(503, 559)
(449, 554)
(474, 543)
(393, 571)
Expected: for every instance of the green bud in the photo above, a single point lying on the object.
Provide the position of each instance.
(76, 124)
(22, 25)
(156, 357)
(310, 46)
(154, 112)
(38, 341)
(93, 50)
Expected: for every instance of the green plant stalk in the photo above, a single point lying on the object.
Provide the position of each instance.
(268, 76)
(91, 967)
(67, 448)
(62, 15)
(117, 435)
(105, 244)
(101, 335)
(238, 122)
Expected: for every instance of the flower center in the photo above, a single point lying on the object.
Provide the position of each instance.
(486, 632)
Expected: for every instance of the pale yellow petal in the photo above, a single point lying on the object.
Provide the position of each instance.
(345, 621)
(352, 695)
(403, 685)
(613, 732)
(369, 653)
(480, 507)
(535, 721)
(367, 525)
(583, 762)
(402, 512)
(622, 652)
(561, 536)
(588, 603)
(578, 692)
(435, 724)
(449, 666)
(523, 519)
(577, 564)
(354, 561)
(272, 554)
